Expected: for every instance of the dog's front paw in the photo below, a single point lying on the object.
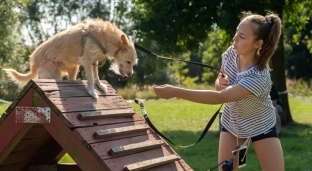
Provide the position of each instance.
(102, 87)
(93, 94)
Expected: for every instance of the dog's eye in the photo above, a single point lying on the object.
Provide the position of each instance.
(129, 62)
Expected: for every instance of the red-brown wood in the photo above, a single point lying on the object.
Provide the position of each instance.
(11, 135)
(101, 114)
(101, 149)
(72, 145)
(147, 164)
(72, 121)
(86, 134)
(55, 167)
(15, 166)
(88, 99)
(75, 117)
(37, 131)
(81, 107)
(51, 153)
(119, 163)
(113, 132)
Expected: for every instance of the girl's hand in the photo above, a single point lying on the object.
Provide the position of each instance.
(223, 81)
(164, 91)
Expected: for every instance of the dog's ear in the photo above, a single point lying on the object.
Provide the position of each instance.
(124, 40)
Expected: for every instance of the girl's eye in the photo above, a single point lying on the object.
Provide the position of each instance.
(129, 62)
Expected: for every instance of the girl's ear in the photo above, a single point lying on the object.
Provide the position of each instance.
(258, 44)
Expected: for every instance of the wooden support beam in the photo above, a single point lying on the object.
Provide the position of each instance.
(72, 145)
(55, 167)
(119, 131)
(105, 114)
(11, 132)
(151, 163)
(136, 147)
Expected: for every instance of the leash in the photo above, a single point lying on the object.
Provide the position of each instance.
(139, 102)
(144, 110)
(173, 59)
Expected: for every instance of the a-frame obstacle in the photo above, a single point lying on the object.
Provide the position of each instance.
(51, 118)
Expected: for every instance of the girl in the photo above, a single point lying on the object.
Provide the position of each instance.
(245, 87)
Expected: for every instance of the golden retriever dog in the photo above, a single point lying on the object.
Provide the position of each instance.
(63, 53)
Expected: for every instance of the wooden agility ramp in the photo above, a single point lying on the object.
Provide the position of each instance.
(51, 118)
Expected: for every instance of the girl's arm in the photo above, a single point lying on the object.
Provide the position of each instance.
(228, 94)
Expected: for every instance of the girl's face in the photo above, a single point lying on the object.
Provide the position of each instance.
(244, 40)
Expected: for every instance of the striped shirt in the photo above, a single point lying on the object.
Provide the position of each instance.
(255, 114)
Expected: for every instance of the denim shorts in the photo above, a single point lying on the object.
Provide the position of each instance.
(272, 133)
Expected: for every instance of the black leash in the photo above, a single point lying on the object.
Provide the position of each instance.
(160, 134)
(145, 113)
(173, 59)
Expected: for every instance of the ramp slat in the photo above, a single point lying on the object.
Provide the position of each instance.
(106, 114)
(136, 147)
(151, 163)
(119, 131)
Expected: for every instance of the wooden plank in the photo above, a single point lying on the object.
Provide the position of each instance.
(37, 131)
(72, 121)
(79, 153)
(101, 149)
(38, 81)
(15, 166)
(51, 153)
(179, 165)
(55, 167)
(30, 144)
(86, 134)
(80, 107)
(68, 167)
(120, 131)
(136, 147)
(10, 132)
(78, 92)
(106, 114)
(151, 163)
(75, 100)
(118, 163)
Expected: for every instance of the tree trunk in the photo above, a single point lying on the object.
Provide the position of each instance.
(278, 73)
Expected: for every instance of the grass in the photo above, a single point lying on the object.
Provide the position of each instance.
(183, 121)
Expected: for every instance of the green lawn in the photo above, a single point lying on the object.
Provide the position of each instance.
(183, 121)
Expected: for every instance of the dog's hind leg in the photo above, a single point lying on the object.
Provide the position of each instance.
(102, 86)
(72, 72)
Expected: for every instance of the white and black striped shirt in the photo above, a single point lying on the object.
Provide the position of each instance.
(255, 114)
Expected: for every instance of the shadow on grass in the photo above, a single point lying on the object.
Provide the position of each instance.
(296, 129)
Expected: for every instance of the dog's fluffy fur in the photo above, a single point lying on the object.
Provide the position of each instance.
(64, 52)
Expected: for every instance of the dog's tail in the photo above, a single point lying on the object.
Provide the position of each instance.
(20, 78)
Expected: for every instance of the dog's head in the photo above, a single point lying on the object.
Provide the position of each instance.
(125, 58)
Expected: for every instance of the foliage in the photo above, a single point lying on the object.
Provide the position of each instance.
(13, 52)
(298, 39)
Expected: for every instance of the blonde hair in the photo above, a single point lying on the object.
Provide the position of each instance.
(267, 28)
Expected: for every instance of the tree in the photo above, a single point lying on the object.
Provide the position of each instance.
(13, 53)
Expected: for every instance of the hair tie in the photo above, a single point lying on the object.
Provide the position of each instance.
(268, 19)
